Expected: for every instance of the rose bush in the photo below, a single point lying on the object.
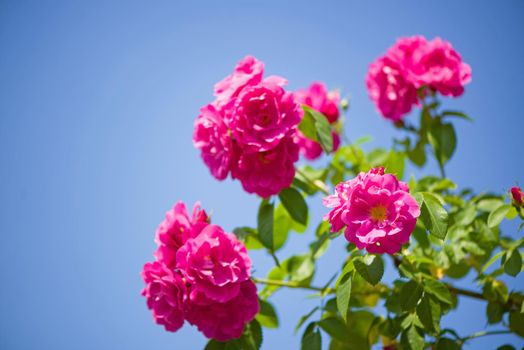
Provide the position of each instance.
(430, 230)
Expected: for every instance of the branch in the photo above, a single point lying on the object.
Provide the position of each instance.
(324, 290)
(465, 292)
(484, 333)
(291, 284)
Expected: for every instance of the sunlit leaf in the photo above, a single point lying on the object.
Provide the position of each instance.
(294, 204)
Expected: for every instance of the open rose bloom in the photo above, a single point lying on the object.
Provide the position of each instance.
(376, 211)
(249, 130)
(201, 274)
(410, 64)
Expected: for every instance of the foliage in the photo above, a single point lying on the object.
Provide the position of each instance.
(458, 233)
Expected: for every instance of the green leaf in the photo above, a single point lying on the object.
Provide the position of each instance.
(312, 341)
(494, 312)
(281, 226)
(267, 315)
(428, 311)
(412, 339)
(307, 126)
(447, 344)
(277, 273)
(300, 268)
(497, 215)
(335, 328)
(212, 344)
(252, 337)
(344, 295)
(513, 263)
(294, 204)
(506, 347)
(456, 114)
(305, 318)
(371, 268)
(323, 129)
(418, 154)
(395, 164)
(443, 139)
(466, 215)
(516, 322)
(248, 236)
(492, 260)
(439, 290)
(265, 224)
(433, 214)
(410, 294)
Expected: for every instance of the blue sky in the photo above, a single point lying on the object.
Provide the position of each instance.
(97, 103)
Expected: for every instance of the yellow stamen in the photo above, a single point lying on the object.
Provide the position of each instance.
(378, 213)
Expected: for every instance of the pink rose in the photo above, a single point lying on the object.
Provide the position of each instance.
(215, 263)
(377, 210)
(318, 98)
(267, 173)
(212, 137)
(440, 67)
(263, 115)
(166, 295)
(225, 321)
(517, 196)
(176, 229)
(311, 149)
(249, 129)
(388, 87)
(248, 71)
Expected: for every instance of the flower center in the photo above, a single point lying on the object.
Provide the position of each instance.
(378, 213)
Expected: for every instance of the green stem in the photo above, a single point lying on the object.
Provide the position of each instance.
(290, 284)
(324, 290)
(512, 302)
(313, 183)
(484, 333)
(441, 168)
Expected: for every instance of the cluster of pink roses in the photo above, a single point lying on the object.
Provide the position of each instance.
(202, 275)
(410, 64)
(249, 130)
(376, 209)
(317, 97)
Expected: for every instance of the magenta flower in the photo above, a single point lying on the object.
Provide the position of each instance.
(437, 65)
(393, 95)
(248, 71)
(317, 97)
(412, 63)
(212, 137)
(263, 115)
(311, 149)
(166, 294)
(225, 321)
(249, 128)
(215, 263)
(518, 196)
(266, 173)
(176, 229)
(376, 209)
